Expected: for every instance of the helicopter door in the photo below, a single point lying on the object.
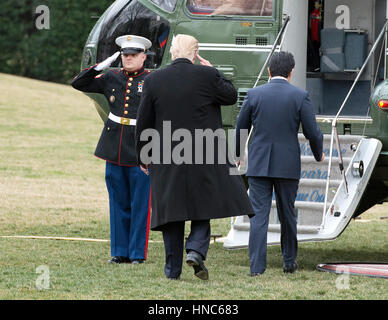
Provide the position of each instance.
(340, 36)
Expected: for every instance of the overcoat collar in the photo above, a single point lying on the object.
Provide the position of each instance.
(181, 60)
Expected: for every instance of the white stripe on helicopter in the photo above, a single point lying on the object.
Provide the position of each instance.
(236, 47)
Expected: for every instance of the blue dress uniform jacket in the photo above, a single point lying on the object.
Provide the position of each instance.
(123, 91)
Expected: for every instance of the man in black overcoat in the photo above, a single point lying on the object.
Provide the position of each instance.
(184, 99)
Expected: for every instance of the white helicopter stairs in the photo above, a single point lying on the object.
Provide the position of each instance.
(314, 223)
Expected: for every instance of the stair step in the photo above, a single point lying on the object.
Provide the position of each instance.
(315, 206)
(344, 138)
(307, 212)
(300, 228)
(276, 228)
(325, 162)
(315, 189)
(318, 183)
(318, 170)
(345, 143)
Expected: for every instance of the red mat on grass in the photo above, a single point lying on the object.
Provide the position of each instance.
(370, 269)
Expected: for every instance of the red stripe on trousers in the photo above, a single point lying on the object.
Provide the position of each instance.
(148, 226)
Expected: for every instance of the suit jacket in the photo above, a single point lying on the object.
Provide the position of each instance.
(189, 97)
(123, 90)
(276, 110)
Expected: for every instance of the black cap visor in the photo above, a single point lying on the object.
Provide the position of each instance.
(131, 50)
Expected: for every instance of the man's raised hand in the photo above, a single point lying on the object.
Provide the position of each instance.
(203, 61)
(107, 62)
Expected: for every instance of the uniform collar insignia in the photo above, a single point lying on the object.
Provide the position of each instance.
(134, 73)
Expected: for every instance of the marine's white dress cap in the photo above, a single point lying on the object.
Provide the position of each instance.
(130, 44)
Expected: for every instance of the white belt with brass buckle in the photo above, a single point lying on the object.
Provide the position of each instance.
(125, 121)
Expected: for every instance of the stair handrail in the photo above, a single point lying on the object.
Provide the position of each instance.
(334, 123)
(281, 32)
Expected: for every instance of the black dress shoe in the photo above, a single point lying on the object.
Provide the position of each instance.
(137, 261)
(291, 268)
(119, 259)
(194, 259)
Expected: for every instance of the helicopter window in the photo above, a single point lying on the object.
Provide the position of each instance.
(168, 5)
(231, 7)
(131, 17)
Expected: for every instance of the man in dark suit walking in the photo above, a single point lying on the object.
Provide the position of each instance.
(275, 111)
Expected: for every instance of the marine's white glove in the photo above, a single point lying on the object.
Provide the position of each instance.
(107, 62)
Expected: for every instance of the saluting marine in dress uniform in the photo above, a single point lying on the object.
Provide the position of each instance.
(128, 186)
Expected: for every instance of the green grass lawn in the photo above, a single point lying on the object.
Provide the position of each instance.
(52, 185)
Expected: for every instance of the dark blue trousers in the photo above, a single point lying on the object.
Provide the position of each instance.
(173, 237)
(129, 204)
(260, 194)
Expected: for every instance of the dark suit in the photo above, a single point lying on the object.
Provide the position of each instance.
(189, 96)
(275, 110)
